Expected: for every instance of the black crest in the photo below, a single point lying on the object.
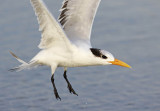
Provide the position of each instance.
(97, 53)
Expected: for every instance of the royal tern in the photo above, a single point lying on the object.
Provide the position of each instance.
(66, 42)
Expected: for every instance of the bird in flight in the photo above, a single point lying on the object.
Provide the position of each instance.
(66, 42)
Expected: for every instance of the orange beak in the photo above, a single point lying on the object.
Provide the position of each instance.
(120, 63)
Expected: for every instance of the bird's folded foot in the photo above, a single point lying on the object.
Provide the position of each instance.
(56, 94)
(71, 90)
(55, 89)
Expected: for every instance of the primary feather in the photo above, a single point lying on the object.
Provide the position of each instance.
(77, 17)
(52, 33)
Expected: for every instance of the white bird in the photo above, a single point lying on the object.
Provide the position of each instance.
(67, 43)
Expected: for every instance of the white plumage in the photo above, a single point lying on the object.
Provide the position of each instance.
(52, 33)
(77, 17)
(67, 44)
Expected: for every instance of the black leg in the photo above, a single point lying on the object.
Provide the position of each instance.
(71, 90)
(55, 90)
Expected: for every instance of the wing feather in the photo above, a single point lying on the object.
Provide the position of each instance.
(77, 17)
(52, 33)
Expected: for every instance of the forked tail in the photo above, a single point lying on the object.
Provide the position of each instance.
(24, 64)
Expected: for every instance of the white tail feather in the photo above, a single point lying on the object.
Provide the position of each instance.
(24, 64)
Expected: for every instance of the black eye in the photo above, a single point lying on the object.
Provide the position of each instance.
(104, 57)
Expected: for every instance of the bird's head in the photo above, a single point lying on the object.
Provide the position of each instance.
(108, 58)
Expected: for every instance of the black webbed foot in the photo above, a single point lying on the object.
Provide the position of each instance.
(55, 89)
(71, 90)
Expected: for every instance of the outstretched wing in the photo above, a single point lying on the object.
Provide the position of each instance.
(52, 33)
(77, 18)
